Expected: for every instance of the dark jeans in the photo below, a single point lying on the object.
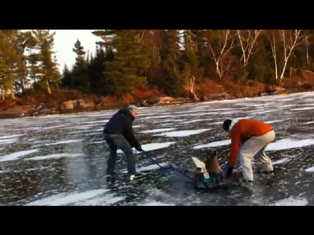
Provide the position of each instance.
(118, 141)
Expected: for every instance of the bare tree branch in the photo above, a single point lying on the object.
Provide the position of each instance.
(225, 43)
(247, 39)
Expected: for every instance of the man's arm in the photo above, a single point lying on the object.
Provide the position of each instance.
(129, 134)
(235, 146)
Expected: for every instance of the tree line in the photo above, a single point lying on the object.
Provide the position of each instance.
(170, 60)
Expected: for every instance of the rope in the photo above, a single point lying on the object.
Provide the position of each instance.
(164, 170)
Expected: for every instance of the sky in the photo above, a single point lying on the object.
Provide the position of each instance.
(64, 44)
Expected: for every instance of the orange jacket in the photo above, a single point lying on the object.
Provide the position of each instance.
(242, 131)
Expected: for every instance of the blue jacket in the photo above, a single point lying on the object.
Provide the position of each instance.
(121, 124)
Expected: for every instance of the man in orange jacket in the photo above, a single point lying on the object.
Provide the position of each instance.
(249, 138)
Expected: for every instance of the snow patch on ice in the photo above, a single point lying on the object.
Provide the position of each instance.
(289, 144)
(57, 155)
(66, 198)
(311, 169)
(213, 144)
(182, 133)
(17, 155)
(291, 201)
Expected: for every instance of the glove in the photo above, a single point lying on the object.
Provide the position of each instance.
(138, 148)
(227, 170)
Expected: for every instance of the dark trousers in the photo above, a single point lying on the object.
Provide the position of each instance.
(118, 141)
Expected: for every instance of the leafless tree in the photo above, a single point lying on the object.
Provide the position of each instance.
(247, 39)
(289, 39)
(190, 87)
(219, 48)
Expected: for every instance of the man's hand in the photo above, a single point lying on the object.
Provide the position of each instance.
(139, 148)
(227, 170)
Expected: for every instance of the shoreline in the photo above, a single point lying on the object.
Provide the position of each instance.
(43, 111)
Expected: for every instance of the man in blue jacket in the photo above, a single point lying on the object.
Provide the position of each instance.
(118, 133)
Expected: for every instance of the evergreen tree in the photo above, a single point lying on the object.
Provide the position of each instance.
(128, 70)
(48, 68)
(170, 57)
(8, 61)
(67, 77)
(80, 62)
(80, 75)
(190, 58)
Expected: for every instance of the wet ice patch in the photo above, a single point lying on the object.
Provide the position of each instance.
(182, 133)
(16, 155)
(158, 130)
(291, 201)
(66, 198)
(57, 155)
(311, 169)
(213, 144)
(289, 144)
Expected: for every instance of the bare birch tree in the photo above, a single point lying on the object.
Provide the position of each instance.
(247, 39)
(289, 40)
(219, 46)
(190, 87)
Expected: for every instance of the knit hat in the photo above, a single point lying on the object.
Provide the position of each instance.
(229, 123)
(132, 107)
(226, 124)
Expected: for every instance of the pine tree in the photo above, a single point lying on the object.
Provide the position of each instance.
(25, 44)
(8, 60)
(67, 77)
(48, 68)
(80, 62)
(170, 57)
(128, 70)
(95, 70)
(190, 58)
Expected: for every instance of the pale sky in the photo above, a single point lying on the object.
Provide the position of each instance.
(64, 43)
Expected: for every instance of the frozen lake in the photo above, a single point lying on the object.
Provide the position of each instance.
(61, 159)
